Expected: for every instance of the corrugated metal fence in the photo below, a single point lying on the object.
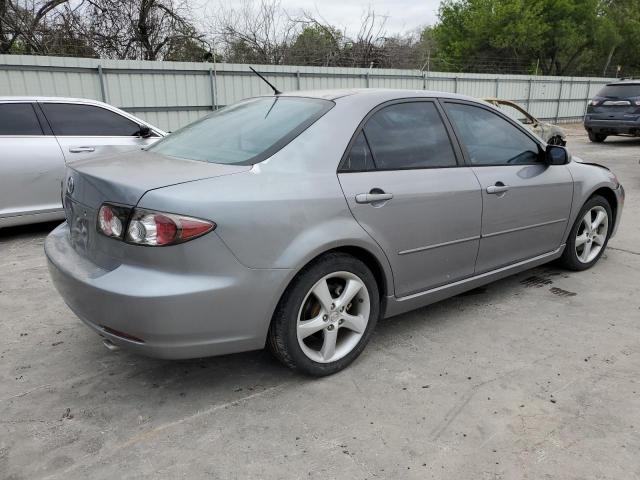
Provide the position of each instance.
(172, 94)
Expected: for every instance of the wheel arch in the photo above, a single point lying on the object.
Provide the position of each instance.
(609, 195)
(381, 272)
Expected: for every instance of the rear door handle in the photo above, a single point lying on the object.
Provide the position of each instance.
(373, 197)
(498, 188)
(81, 149)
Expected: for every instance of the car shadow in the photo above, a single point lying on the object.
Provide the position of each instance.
(29, 231)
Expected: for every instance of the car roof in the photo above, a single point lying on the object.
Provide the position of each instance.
(28, 98)
(383, 94)
(630, 81)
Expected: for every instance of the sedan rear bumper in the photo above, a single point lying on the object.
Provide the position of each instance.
(168, 314)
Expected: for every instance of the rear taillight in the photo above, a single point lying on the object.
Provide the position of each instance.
(160, 229)
(145, 227)
(112, 220)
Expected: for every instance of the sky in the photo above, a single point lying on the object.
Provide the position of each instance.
(403, 15)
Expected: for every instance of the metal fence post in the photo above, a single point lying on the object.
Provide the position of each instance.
(424, 81)
(588, 99)
(103, 92)
(367, 78)
(497, 87)
(298, 78)
(455, 85)
(559, 98)
(529, 95)
(212, 89)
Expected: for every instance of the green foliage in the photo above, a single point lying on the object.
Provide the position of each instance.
(316, 45)
(560, 36)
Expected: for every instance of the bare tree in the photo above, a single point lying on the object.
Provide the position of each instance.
(23, 22)
(136, 29)
(257, 32)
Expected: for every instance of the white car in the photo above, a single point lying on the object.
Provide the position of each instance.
(39, 136)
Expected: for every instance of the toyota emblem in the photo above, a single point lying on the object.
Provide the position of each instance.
(70, 185)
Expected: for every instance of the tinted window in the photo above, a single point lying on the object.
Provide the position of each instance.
(359, 156)
(18, 119)
(244, 133)
(409, 135)
(87, 120)
(490, 139)
(620, 91)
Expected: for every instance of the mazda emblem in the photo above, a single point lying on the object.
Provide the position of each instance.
(70, 185)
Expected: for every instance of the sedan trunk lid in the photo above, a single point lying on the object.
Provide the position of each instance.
(125, 178)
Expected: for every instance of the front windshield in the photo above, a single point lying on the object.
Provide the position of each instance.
(244, 133)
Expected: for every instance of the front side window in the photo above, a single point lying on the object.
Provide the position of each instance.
(73, 120)
(490, 139)
(18, 119)
(244, 133)
(409, 135)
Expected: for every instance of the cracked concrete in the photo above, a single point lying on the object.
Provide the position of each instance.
(517, 380)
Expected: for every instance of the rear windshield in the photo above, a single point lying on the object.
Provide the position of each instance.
(244, 133)
(628, 90)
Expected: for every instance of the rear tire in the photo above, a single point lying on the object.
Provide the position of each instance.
(557, 140)
(589, 235)
(597, 137)
(326, 316)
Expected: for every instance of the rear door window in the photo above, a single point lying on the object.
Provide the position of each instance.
(409, 135)
(18, 119)
(359, 158)
(74, 120)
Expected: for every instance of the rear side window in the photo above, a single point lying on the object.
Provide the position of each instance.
(409, 135)
(359, 158)
(490, 139)
(629, 90)
(68, 119)
(244, 133)
(18, 119)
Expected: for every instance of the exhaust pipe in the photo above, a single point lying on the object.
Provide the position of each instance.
(110, 345)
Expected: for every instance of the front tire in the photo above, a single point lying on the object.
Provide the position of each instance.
(326, 316)
(589, 236)
(557, 140)
(597, 137)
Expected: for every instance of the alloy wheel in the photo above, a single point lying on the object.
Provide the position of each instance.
(333, 317)
(592, 234)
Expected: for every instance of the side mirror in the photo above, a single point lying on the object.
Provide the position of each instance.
(144, 132)
(557, 155)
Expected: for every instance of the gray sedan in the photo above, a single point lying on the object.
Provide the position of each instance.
(298, 220)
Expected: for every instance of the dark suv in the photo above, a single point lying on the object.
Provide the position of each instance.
(615, 110)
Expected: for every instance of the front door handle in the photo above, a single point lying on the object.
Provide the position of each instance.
(497, 189)
(373, 197)
(82, 149)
